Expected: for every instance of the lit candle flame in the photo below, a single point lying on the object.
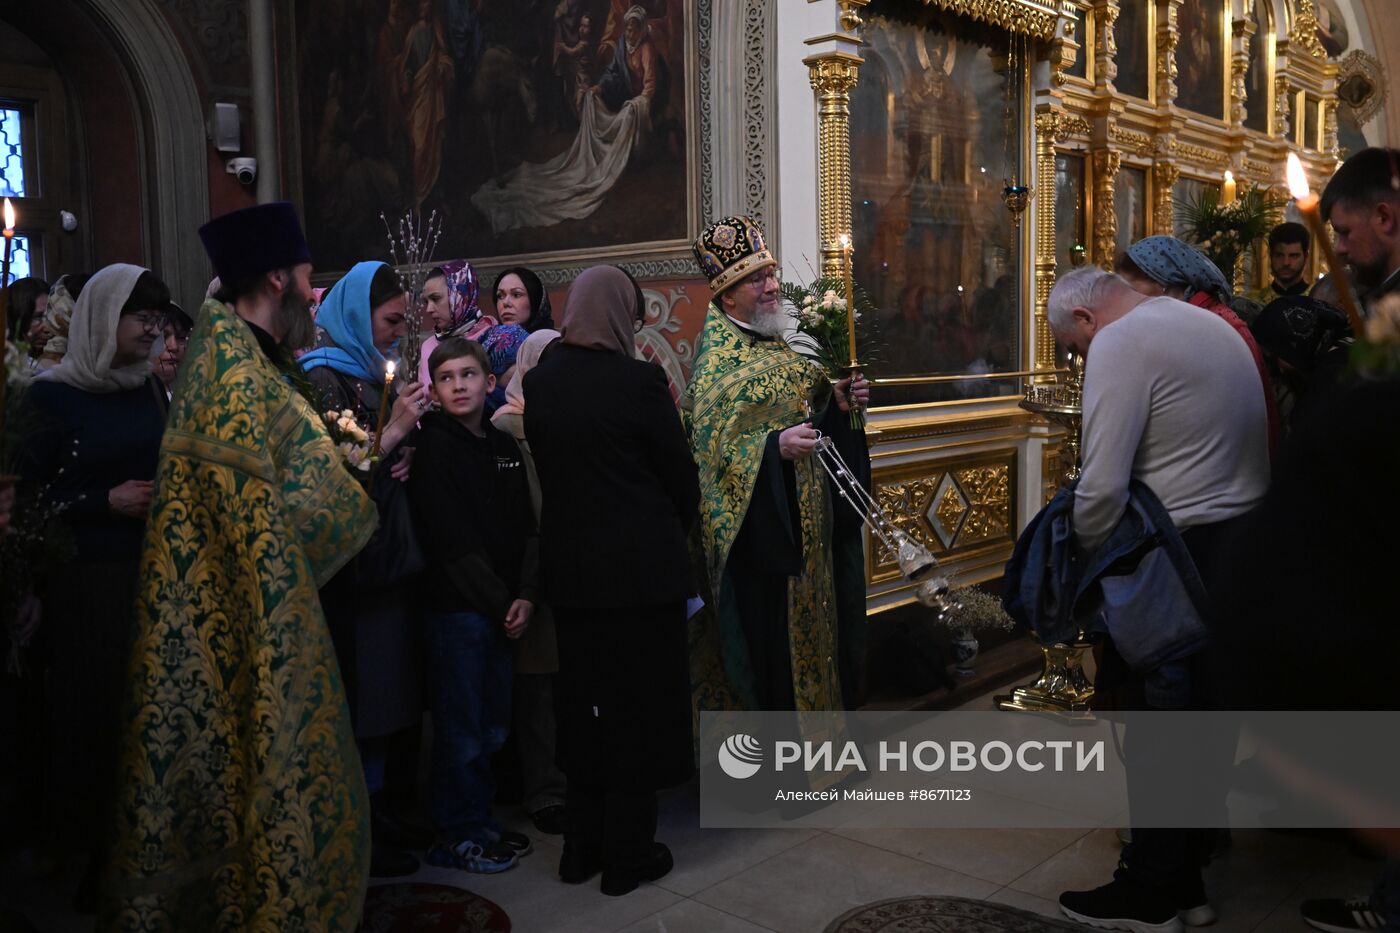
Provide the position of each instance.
(1229, 176)
(9, 217)
(1297, 178)
(845, 241)
(389, 371)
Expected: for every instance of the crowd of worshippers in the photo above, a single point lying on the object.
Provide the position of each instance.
(224, 688)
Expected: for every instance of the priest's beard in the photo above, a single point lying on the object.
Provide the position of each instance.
(769, 323)
(295, 321)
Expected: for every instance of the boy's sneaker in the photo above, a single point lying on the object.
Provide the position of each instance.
(519, 843)
(1120, 905)
(473, 857)
(1341, 916)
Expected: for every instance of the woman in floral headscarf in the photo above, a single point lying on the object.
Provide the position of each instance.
(63, 296)
(452, 291)
(1164, 265)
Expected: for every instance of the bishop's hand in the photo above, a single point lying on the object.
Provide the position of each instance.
(798, 441)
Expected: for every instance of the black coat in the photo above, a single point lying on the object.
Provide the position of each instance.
(618, 486)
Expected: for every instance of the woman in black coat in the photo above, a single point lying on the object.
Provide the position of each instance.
(619, 494)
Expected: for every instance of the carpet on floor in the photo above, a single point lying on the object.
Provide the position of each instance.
(943, 915)
(430, 908)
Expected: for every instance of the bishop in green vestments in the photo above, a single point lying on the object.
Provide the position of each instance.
(242, 803)
(785, 563)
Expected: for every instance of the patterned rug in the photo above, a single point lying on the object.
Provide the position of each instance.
(430, 908)
(944, 915)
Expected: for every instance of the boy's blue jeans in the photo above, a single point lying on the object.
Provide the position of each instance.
(469, 678)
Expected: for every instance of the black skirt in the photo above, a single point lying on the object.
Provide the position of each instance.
(623, 697)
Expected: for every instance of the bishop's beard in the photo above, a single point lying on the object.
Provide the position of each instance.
(770, 323)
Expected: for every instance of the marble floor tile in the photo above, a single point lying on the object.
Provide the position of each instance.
(693, 917)
(804, 888)
(1020, 899)
(1085, 863)
(997, 855)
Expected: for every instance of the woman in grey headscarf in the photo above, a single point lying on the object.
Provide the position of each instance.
(93, 431)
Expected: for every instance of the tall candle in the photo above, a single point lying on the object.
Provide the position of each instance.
(383, 406)
(845, 242)
(1308, 206)
(1227, 191)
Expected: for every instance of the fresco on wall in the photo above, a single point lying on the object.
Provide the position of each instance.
(531, 127)
(1200, 57)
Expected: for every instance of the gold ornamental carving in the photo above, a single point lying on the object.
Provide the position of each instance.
(833, 76)
(1164, 176)
(850, 15)
(1166, 53)
(1031, 17)
(1305, 28)
(1105, 44)
(1199, 153)
(1239, 68)
(988, 492)
(1049, 128)
(1052, 466)
(1331, 143)
(1283, 96)
(1138, 143)
(1106, 164)
(1071, 125)
(951, 508)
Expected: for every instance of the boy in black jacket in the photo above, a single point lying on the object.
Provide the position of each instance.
(471, 504)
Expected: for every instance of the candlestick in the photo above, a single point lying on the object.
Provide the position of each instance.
(383, 406)
(1307, 203)
(1227, 191)
(845, 242)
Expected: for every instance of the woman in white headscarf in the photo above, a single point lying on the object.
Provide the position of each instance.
(93, 428)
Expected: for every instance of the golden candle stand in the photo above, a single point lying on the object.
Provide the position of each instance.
(1062, 685)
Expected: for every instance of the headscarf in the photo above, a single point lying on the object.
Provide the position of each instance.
(463, 294)
(525, 360)
(503, 343)
(92, 336)
(601, 310)
(1173, 264)
(57, 319)
(344, 315)
(541, 314)
(1299, 330)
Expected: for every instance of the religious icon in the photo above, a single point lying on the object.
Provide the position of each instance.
(1130, 35)
(1200, 57)
(1257, 80)
(1130, 206)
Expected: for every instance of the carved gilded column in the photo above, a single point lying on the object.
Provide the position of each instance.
(1048, 127)
(1164, 176)
(1283, 105)
(833, 75)
(1331, 144)
(1166, 52)
(1243, 29)
(1106, 163)
(1105, 44)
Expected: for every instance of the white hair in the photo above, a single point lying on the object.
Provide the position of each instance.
(1082, 288)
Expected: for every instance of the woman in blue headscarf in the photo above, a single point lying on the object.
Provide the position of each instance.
(377, 639)
(1164, 265)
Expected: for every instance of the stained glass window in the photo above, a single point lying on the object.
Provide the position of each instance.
(11, 155)
(20, 265)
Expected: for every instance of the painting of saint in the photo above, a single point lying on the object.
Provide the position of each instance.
(1069, 209)
(1200, 57)
(1130, 35)
(1257, 79)
(1130, 206)
(531, 128)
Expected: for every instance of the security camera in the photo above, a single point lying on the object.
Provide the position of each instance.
(246, 169)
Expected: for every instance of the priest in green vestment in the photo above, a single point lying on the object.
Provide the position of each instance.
(241, 802)
(784, 558)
